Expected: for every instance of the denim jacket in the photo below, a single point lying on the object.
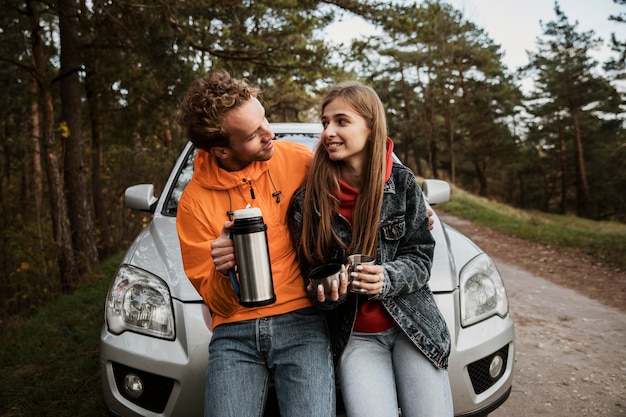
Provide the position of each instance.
(405, 250)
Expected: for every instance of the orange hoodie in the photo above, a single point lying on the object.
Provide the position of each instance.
(202, 212)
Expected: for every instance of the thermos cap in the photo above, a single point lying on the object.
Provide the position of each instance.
(248, 213)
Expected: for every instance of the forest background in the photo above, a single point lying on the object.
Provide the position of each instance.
(91, 92)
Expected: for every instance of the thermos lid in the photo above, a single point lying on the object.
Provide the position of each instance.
(247, 213)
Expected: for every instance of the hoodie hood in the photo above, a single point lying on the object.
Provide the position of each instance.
(209, 175)
(389, 166)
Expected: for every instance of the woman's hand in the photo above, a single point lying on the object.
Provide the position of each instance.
(367, 279)
(337, 289)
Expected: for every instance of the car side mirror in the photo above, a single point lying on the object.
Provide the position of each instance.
(436, 191)
(141, 197)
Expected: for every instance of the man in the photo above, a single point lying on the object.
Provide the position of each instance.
(239, 164)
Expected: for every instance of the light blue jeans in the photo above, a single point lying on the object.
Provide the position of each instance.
(381, 372)
(293, 347)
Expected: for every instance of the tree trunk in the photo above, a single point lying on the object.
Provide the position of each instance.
(432, 140)
(36, 172)
(481, 176)
(167, 135)
(77, 192)
(522, 191)
(36, 169)
(451, 150)
(68, 273)
(97, 157)
(582, 194)
(409, 141)
(563, 161)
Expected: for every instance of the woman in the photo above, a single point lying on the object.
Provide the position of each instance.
(389, 338)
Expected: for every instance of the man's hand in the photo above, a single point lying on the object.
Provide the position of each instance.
(223, 250)
(431, 221)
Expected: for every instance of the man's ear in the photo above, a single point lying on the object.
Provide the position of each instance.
(220, 152)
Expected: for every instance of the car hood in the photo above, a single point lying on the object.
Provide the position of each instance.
(453, 250)
(156, 250)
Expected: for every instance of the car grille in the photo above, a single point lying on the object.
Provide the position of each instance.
(157, 389)
(479, 371)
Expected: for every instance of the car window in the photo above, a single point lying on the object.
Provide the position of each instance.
(182, 179)
(186, 171)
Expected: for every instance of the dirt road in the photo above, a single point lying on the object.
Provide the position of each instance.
(571, 349)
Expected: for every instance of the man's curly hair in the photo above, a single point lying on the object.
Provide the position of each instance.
(207, 102)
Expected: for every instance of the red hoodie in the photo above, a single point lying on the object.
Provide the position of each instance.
(371, 316)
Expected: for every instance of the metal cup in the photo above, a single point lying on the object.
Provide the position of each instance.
(355, 260)
(325, 275)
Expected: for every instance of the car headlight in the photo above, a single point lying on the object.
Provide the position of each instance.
(482, 291)
(139, 301)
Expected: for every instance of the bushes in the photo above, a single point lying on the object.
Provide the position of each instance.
(29, 270)
(49, 361)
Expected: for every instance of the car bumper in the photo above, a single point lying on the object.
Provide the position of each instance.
(474, 350)
(172, 373)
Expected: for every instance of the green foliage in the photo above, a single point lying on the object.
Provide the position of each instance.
(125, 167)
(29, 268)
(578, 120)
(454, 110)
(603, 241)
(448, 97)
(49, 362)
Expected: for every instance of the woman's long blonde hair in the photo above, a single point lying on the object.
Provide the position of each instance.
(323, 181)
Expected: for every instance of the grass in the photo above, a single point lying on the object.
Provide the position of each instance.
(602, 240)
(49, 362)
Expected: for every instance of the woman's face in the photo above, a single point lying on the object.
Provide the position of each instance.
(345, 133)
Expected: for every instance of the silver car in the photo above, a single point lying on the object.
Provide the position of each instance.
(154, 341)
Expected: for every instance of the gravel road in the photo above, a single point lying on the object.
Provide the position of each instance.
(570, 318)
(571, 351)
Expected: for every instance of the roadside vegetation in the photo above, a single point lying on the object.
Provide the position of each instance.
(604, 241)
(49, 361)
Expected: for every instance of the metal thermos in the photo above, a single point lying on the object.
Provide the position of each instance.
(253, 258)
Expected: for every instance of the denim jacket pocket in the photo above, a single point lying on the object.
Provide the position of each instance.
(394, 228)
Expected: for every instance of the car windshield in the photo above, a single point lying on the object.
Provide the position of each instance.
(186, 168)
(308, 139)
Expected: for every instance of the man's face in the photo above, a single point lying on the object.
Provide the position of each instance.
(250, 137)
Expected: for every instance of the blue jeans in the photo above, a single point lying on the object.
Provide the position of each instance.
(381, 372)
(293, 347)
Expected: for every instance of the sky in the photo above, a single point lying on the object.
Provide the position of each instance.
(514, 24)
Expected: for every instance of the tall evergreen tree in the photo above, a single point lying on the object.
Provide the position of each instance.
(445, 87)
(568, 92)
(618, 45)
(68, 270)
(74, 168)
